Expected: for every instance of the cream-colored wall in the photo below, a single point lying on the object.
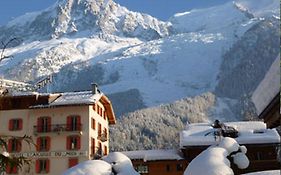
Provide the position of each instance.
(94, 133)
(58, 141)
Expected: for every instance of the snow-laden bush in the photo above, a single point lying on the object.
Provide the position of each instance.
(114, 163)
(215, 160)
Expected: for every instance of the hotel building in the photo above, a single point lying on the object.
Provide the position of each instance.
(67, 128)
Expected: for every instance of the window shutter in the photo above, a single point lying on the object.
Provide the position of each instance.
(68, 123)
(10, 125)
(10, 142)
(49, 123)
(14, 170)
(78, 123)
(18, 145)
(39, 125)
(93, 146)
(47, 166)
(68, 143)
(38, 144)
(37, 166)
(48, 143)
(8, 169)
(20, 124)
(72, 162)
(78, 142)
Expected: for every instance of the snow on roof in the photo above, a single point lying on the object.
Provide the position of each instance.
(85, 97)
(251, 132)
(268, 88)
(74, 98)
(151, 155)
(271, 172)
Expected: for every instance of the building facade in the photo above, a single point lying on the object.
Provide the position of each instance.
(67, 128)
(158, 162)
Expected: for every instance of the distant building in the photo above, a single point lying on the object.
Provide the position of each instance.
(67, 128)
(262, 143)
(158, 162)
(266, 97)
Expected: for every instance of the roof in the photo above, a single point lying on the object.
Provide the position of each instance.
(268, 88)
(74, 98)
(153, 155)
(251, 132)
(37, 100)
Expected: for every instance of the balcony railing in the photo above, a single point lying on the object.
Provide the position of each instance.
(57, 128)
(102, 137)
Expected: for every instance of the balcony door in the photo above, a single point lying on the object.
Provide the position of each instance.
(74, 123)
(44, 124)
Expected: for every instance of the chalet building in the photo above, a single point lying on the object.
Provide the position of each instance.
(67, 128)
(262, 143)
(266, 97)
(158, 162)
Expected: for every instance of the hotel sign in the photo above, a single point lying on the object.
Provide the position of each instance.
(52, 154)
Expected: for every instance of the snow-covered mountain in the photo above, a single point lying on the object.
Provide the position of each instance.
(140, 60)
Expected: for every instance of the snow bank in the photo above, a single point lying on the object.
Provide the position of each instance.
(121, 164)
(214, 161)
(114, 162)
(96, 167)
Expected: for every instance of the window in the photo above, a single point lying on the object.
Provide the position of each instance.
(105, 133)
(104, 115)
(93, 123)
(42, 166)
(99, 130)
(44, 124)
(168, 169)
(179, 167)
(95, 107)
(43, 143)
(142, 168)
(14, 145)
(105, 150)
(15, 124)
(99, 152)
(73, 123)
(73, 143)
(72, 162)
(93, 147)
(11, 170)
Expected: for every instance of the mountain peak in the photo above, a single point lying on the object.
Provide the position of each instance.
(85, 18)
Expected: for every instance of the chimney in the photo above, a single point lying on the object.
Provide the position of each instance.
(94, 88)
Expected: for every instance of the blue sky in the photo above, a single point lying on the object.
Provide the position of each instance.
(161, 9)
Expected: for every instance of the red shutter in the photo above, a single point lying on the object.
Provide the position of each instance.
(72, 162)
(49, 122)
(78, 142)
(47, 166)
(68, 123)
(68, 143)
(10, 124)
(18, 145)
(48, 143)
(10, 142)
(8, 169)
(37, 166)
(20, 124)
(39, 125)
(38, 144)
(14, 170)
(78, 123)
